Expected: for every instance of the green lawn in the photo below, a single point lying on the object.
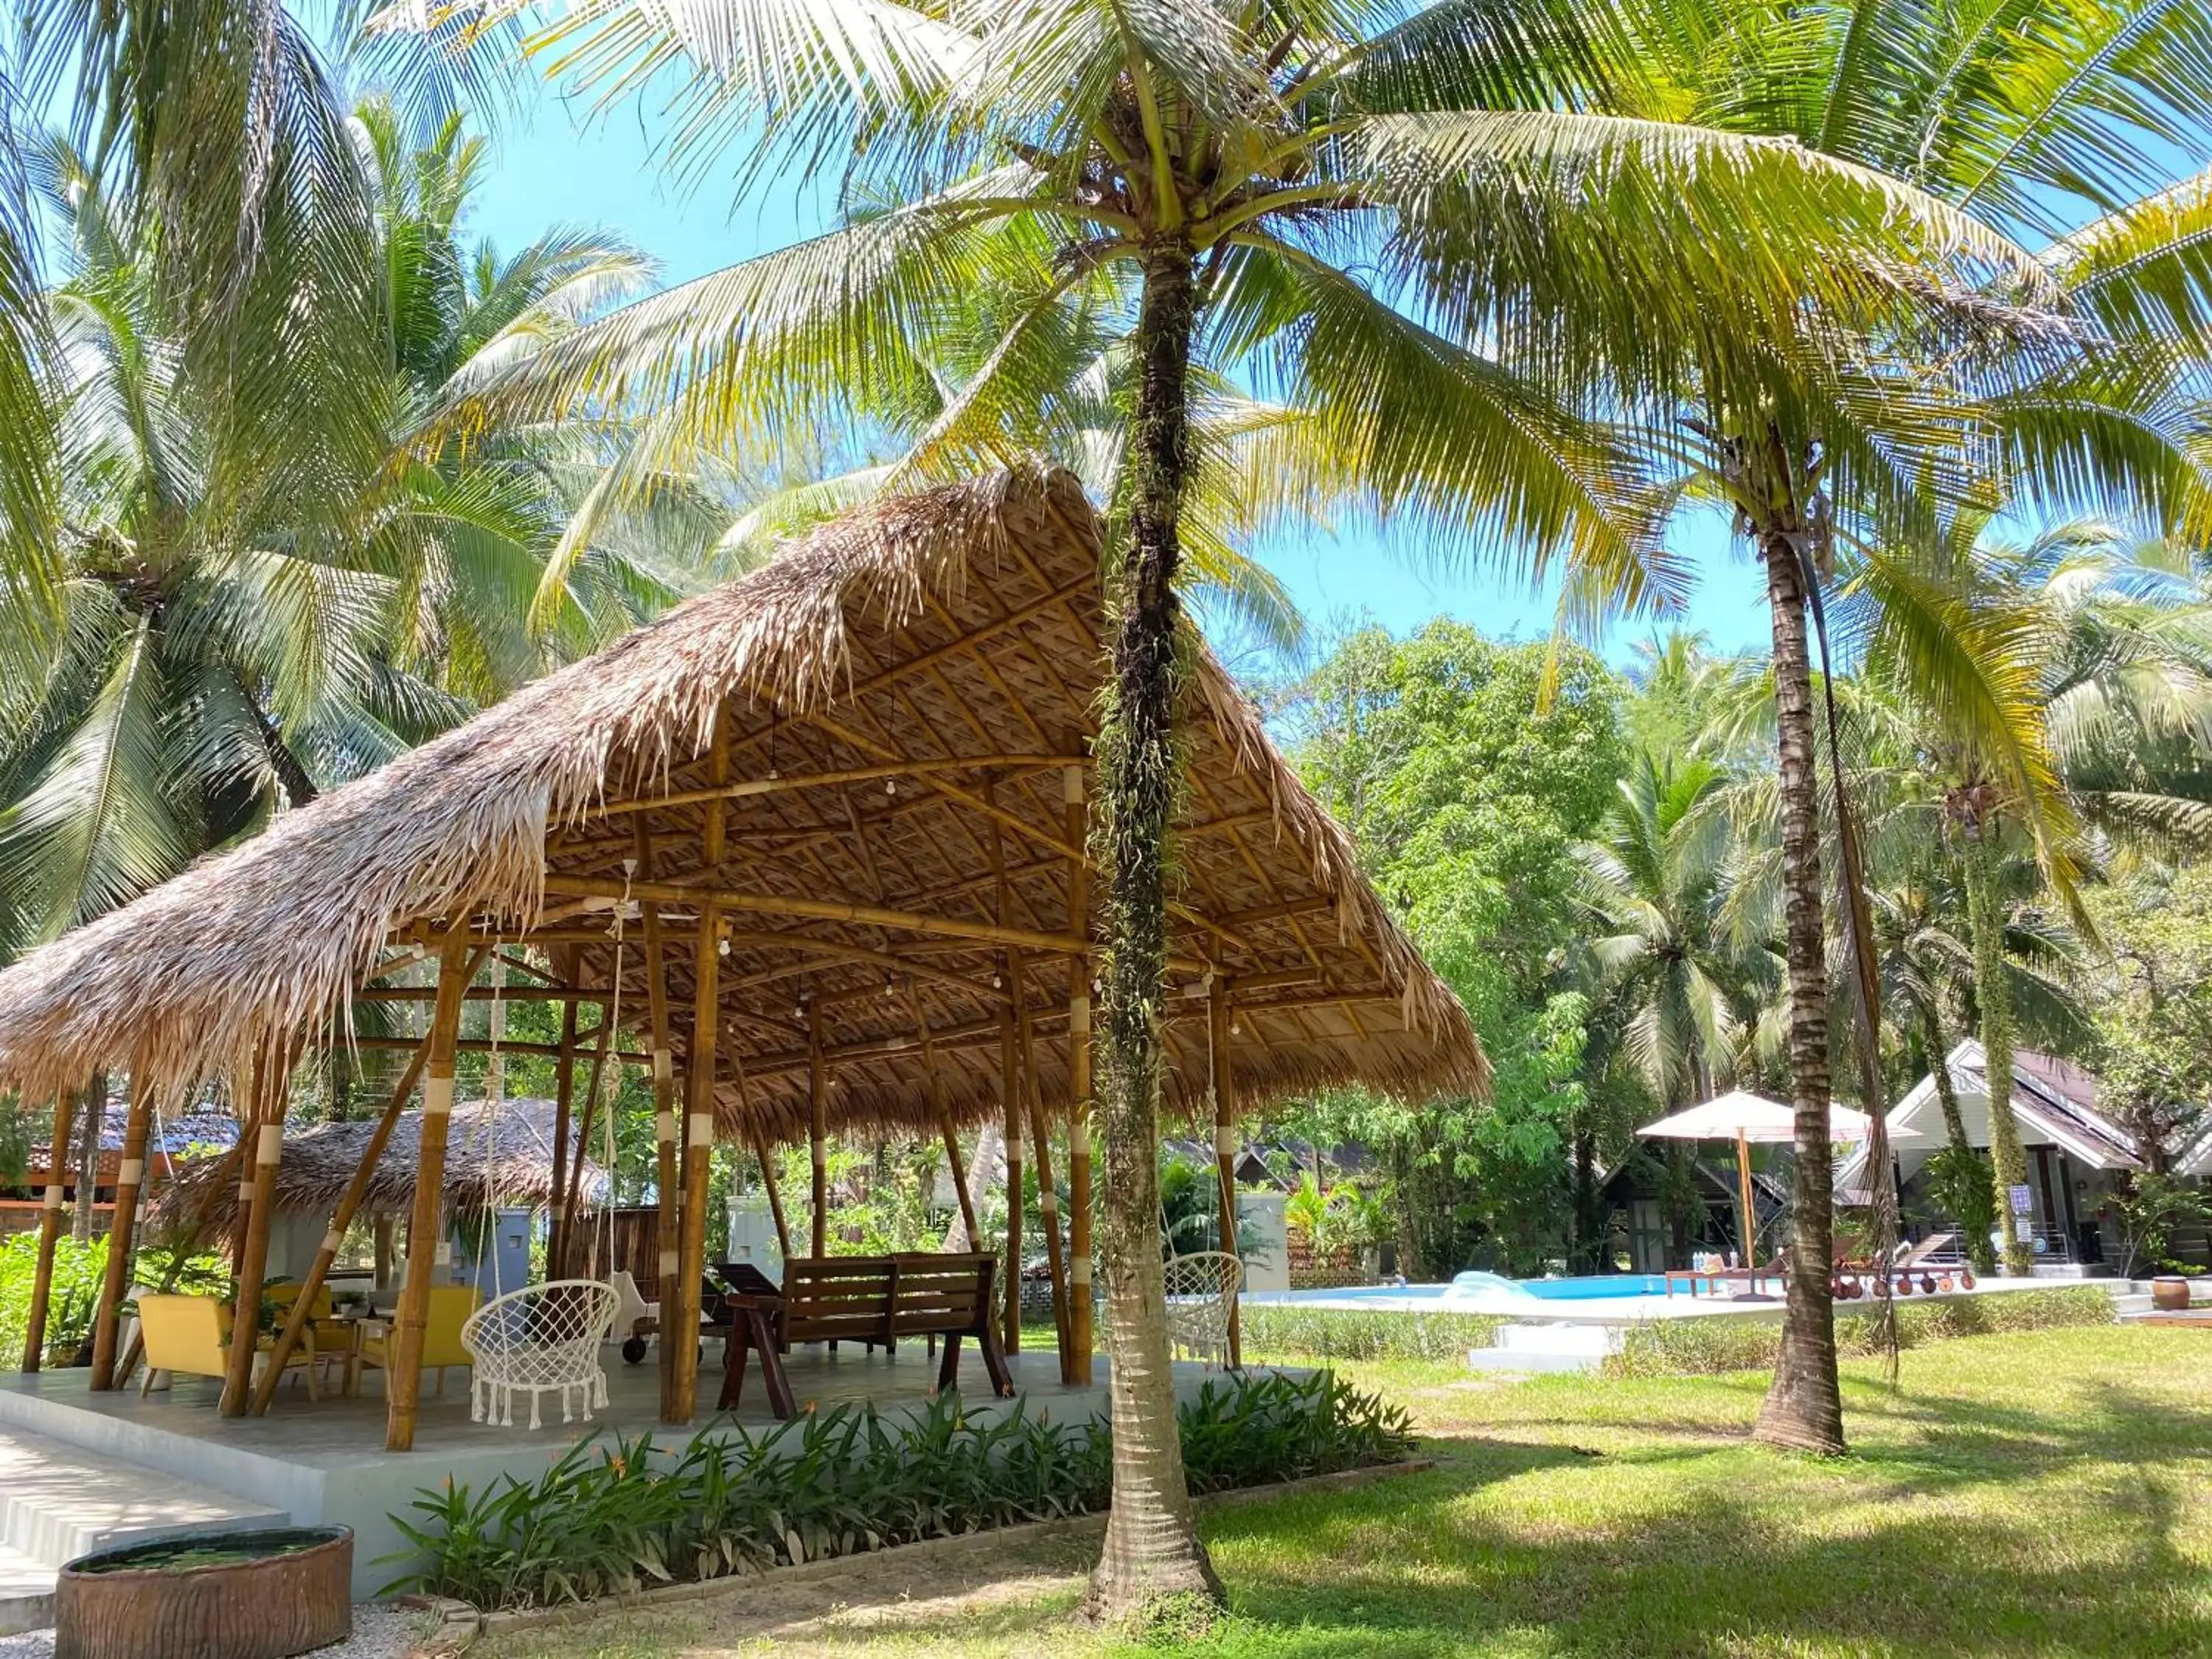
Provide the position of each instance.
(2042, 1494)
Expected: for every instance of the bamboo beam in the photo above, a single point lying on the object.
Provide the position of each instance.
(1223, 1088)
(817, 1107)
(487, 994)
(50, 1227)
(272, 1085)
(426, 1249)
(564, 1091)
(1080, 1337)
(122, 1236)
(871, 916)
(830, 950)
(753, 786)
(480, 1046)
(698, 1165)
(302, 1309)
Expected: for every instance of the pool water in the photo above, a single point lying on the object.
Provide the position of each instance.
(1479, 1292)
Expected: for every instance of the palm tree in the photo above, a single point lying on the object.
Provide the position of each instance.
(1653, 886)
(1399, 219)
(255, 607)
(2021, 124)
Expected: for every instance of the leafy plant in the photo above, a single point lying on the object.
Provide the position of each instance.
(2148, 1213)
(1294, 1331)
(616, 1516)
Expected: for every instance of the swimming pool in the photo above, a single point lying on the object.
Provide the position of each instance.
(1476, 1292)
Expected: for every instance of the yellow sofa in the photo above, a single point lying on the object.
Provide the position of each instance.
(191, 1335)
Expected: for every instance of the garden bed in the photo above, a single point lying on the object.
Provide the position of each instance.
(615, 1517)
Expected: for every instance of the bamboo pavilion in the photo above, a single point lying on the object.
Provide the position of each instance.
(814, 843)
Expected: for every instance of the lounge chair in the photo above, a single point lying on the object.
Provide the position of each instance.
(1910, 1266)
(450, 1307)
(1752, 1278)
(191, 1335)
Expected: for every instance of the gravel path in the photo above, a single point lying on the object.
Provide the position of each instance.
(379, 1632)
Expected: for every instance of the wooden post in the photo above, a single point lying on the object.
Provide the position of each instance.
(564, 1090)
(1047, 1199)
(50, 1227)
(272, 1081)
(1224, 1135)
(1750, 1215)
(296, 1322)
(698, 1167)
(667, 1192)
(426, 1250)
(1078, 1087)
(763, 1151)
(817, 1107)
(122, 1236)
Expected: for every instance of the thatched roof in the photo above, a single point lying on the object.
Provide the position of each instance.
(899, 696)
(496, 1156)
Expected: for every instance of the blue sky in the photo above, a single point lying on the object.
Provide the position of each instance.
(556, 166)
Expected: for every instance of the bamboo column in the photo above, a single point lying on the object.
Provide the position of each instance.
(698, 1165)
(296, 1322)
(571, 1200)
(762, 1151)
(564, 1090)
(666, 1178)
(122, 1236)
(50, 1227)
(272, 1078)
(194, 1231)
(1047, 1198)
(1077, 830)
(935, 1082)
(403, 1384)
(1224, 1136)
(1010, 1086)
(817, 1107)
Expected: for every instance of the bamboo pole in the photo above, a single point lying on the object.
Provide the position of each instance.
(698, 1168)
(302, 1309)
(272, 1087)
(1743, 1189)
(122, 1236)
(665, 1194)
(564, 1090)
(1010, 1084)
(1223, 1087)
(935, 1083)
(818, 1109)
(762, 1150)
(1048, 1200)
(1080, 1339)
(194, 1229)
(50, 1227)
(572, 1198)
(426, 1250)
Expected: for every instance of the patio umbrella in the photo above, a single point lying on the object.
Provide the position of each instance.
(1746, 1117)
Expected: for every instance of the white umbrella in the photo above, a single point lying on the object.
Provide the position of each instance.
(1744, 1117)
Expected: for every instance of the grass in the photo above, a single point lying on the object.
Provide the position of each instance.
(2046, 1493)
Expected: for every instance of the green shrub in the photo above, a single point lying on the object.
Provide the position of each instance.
(1289, 1332)
(616, 1516)
(1697, 1347)
(78, 1270)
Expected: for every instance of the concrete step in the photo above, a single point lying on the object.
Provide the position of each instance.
(27, 1593)
(57, 1502)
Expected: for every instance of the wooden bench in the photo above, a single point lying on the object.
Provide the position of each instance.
(865, 1298)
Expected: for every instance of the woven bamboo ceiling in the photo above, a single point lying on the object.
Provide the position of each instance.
(865, 752)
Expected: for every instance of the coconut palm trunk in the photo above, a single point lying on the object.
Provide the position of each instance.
(1151, 1552)
(1993, 993)
(1803, 1409)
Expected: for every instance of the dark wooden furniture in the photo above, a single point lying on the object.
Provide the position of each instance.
(865, 1298)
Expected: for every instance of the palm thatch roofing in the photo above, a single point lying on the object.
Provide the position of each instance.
(862, 751)
(497, 1156)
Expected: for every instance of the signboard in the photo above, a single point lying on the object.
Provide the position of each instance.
(2022, 1204)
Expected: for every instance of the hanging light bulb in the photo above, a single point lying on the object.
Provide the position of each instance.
(890, 786)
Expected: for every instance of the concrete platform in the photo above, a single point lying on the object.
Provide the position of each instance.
(313, 1462)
